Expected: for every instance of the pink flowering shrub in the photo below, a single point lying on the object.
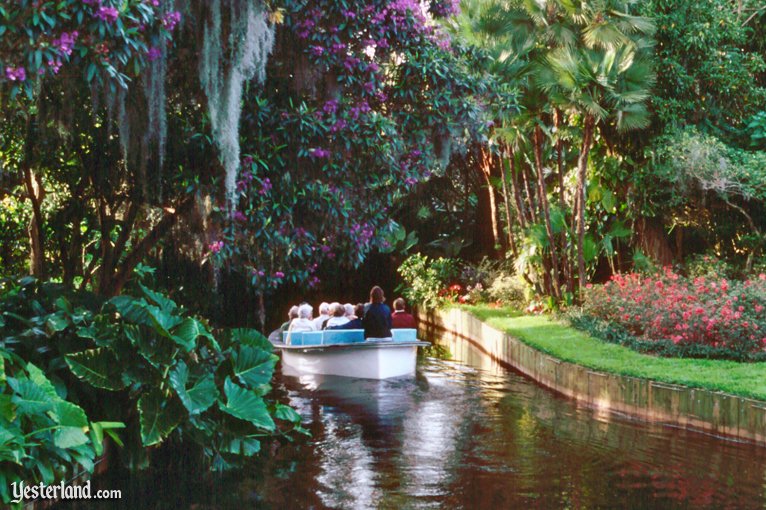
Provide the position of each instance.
(708, 311)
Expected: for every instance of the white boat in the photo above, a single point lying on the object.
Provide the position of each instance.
(347, 353)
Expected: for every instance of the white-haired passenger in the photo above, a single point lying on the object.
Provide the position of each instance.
(292, 314)
(303, 322)
(324, 314)
(350, 315)
(338, 316)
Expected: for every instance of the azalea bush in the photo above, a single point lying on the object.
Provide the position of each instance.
(727, 317)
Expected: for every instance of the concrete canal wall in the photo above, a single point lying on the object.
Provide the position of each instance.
(692, 408)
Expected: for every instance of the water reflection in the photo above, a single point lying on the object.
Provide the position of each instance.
(465, 437)
(472, 436)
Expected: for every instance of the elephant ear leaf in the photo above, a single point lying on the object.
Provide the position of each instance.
(246, 405)
(251, 337)
(197, 398)
(186, 333)
(165, 303)
(159, 416)
(72, 425)
(99, 367)
(253, 367)
(30, 398)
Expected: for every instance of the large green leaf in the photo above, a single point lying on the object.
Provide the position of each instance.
(162, 321)
(158, 415)
(252, 366)
(250, 337)
(165, 303)
(69, 437)
(246, 405)
(202, 394)
(30, 398)
(99, 367)
(36, 375)
(186, 333)
(7, 409)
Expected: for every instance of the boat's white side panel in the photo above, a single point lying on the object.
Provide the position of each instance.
(369, 363)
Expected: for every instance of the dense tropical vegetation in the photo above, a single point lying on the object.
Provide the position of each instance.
(252, 152)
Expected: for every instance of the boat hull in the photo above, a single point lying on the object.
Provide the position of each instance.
(368, 360)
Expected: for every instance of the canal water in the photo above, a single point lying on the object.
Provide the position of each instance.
(467, 436)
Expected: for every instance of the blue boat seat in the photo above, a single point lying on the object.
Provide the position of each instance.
(343, 336)
(404, 335)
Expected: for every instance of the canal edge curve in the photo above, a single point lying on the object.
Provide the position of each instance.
(697, 409)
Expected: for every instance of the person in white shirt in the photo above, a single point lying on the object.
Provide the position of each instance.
(338, 316)
(324, 314)
(303, 322)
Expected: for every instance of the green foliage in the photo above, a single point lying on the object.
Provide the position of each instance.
(708, 72)
(141, 359)
(42, 435)
(426, 279)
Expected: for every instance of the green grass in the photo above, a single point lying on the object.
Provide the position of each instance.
(566, 343)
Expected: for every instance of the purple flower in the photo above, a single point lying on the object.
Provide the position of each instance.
(410, 181)
(279, 275)
(215, 247)
(153, 3)
(330, 107)
(317, 51)
(350, 63)
(16, 73)
(65, 42)
(369, 87)
(265, 186)
(247, 160)
(153, 54)
(444, 8)
(373, 67)
(171, 19)
(319, 153)
(54, 65)
(348, 14)
(338, 126)
(338, 48)
(239, 216)
(107, 13)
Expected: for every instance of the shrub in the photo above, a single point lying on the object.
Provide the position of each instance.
(689, 312)
(429, 282)
(140, 359)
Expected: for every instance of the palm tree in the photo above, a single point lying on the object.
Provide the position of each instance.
(607, 79)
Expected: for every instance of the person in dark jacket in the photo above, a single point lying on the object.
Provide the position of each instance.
(356, 322)
(400, 318)
(377, 317)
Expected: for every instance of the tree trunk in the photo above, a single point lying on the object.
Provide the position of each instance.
(538, 149)
(507, 204)
(35, 193)
(565, 259)
(486, 170)
(122, 274)
(516, 190)
(582, 167)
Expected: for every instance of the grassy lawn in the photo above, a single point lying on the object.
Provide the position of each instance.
(564, 342)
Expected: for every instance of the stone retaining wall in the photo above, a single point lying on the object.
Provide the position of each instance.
(697, 409)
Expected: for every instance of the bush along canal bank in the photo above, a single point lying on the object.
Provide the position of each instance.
(718, 397)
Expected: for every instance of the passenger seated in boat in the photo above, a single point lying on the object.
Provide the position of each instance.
(377, 317)
(400, 318)
(324, 314)
(356, 322)
(292, 314)
(303, 322)
(350, 315)
(338, 316)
